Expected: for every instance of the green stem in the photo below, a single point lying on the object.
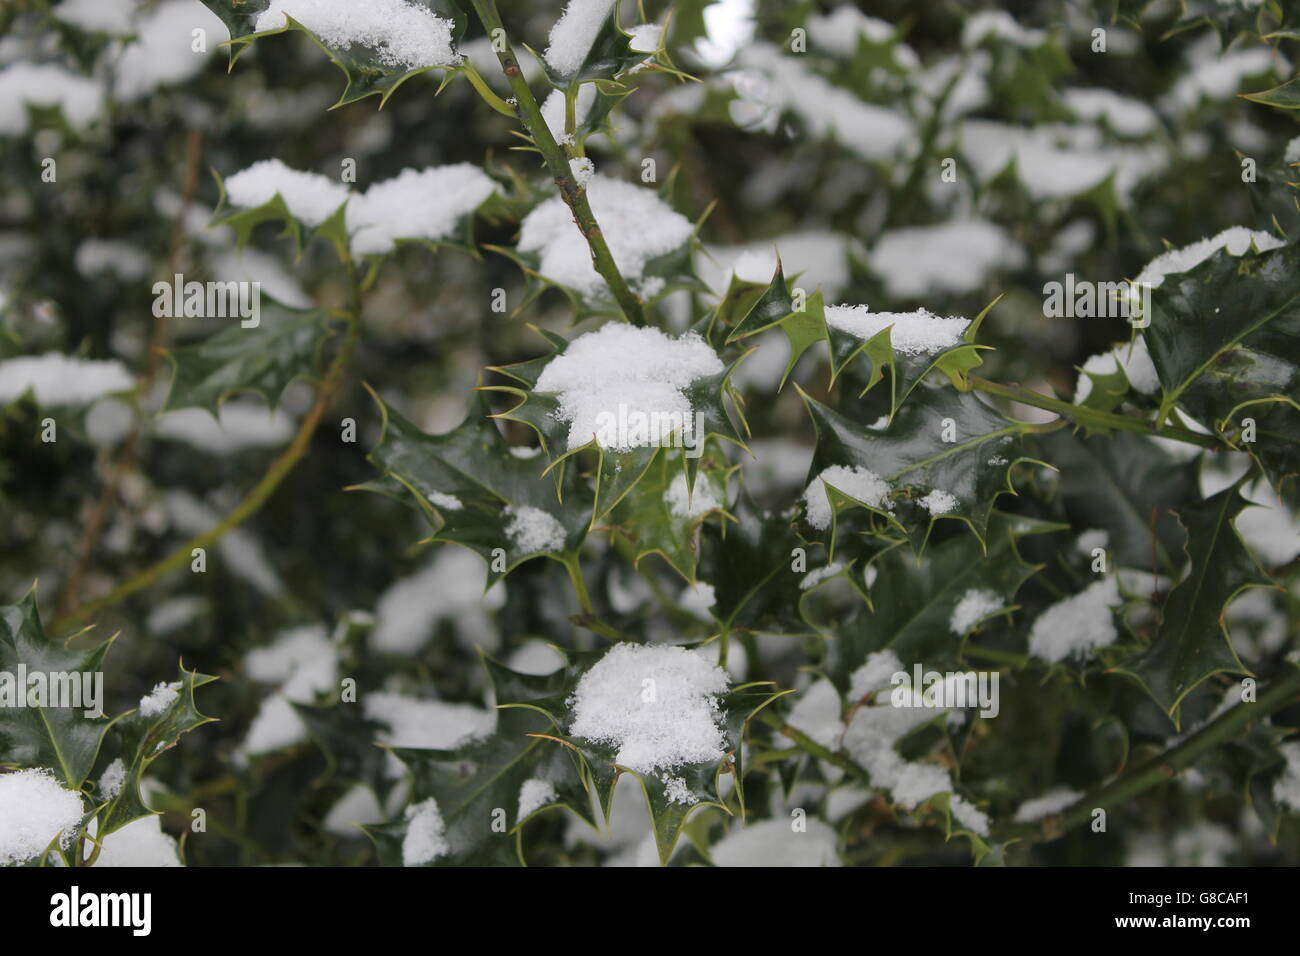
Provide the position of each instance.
(1091, 416)
(557, 163)
(574, 568)
(1283, 692)
(250, 504)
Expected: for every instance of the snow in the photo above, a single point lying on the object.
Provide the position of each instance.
(1134, 359)
(111, 780)
(911, 333)
(553, 110)
(57, 379)
(837, 33)
(535, 657)
(582, 169)
(450, 587)
(870, 739)
(691, 503)
(973, 606)
(302, 660)
(427, 724)
(1286, 790)
(162, 53)
(1126, 116)
(416, 204)
(646, 37)
(426, 834)
(1293, 151)
(35, 810)
(1001, 25)
(532, 530)
(401, 34)
(160, 698)
(938, 502)
(1219, 78)
(819, 259)
(637, 225)
(535, 794)
(141, 842)
(697, 598)
(79, 99)
(309, 197)
(777, 843)
(121, 259)
(573, 34)
(772, 84)
(874, 673)
(238, 425)
(1236, 240)
(1077, 625)
(1271, 529)
(656, 705)
(1053, 801)
(817, 575)
(816, 712)
(1092, 539)
(103, 16)
(677, 791)
(857, 482)
(617, 365)
(1055, 160)
(357, 807)
(956, 257)
(445, 502)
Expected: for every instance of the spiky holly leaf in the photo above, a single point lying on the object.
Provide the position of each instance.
(347, 738)
(475, 492)
(751, 564)
(478, 785)
(693, 786)
(946, 454)
(1192, 641)
(748, 308)
(144, 739)
(1229, 20)
(913, 600)
(285, 345)
(364, 67)
(617, 471)
(33, 734)
(1126, 485)
(1224, 303)
(663, 513)
(611, 55)
(878, 359)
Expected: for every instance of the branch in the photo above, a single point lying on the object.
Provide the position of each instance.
(1283, 692)
(251, 502)
(157, 342)
(1091, 416)
(557, 162)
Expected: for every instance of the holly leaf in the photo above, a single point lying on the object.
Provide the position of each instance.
(478, 785)
(144, 739)
(750, 564)
(663, 513)
(946, 454)
(913, 600)
(1192, 641)
(610, 55)
(472, 488)
(1126, 485)
(616, 471)
(64, 739)
(748, 308)
(366, 69)
(1227, 302)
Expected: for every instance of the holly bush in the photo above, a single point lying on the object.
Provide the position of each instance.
(693, 432)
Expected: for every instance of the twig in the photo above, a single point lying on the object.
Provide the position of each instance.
(557, 162)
